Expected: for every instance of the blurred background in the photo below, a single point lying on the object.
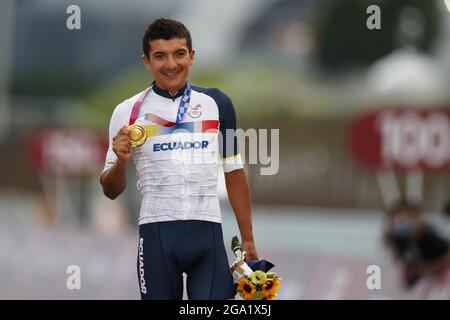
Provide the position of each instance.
(363, 114)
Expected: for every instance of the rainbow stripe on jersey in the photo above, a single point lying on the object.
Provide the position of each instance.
(161, 126)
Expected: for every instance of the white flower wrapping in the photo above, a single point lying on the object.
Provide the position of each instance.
(240, 268)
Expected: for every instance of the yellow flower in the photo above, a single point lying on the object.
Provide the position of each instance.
(270, 287)
(246, 288)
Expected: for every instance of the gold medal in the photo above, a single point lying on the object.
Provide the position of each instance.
(137, 135)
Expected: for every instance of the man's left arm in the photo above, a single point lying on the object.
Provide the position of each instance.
(235, 179)
(240, 199)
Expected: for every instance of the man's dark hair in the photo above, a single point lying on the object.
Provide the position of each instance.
(166, 29)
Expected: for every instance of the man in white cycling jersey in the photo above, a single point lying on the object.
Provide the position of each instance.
(189, 131)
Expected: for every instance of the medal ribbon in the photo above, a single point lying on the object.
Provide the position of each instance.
(182, 108)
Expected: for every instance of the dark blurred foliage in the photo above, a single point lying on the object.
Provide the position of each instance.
(344, 41)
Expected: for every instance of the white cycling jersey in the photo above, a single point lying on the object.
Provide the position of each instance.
(177, 167)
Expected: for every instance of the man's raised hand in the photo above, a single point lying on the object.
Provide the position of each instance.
(122, 145)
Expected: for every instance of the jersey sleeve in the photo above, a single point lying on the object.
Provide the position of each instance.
(119, 118)
(228, 145)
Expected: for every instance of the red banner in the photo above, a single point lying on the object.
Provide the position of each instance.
(66, 150)
(402, 138)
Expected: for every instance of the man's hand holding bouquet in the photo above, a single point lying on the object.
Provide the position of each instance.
(251, 278)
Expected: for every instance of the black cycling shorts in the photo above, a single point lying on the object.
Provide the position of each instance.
(167, 249)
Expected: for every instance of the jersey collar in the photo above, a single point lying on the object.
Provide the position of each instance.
(165, 93)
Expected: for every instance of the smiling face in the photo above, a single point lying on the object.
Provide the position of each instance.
(169, 61)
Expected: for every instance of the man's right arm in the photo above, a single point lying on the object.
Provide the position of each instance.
(114, 179)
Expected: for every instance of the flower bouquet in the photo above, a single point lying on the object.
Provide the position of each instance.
(251, 278)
